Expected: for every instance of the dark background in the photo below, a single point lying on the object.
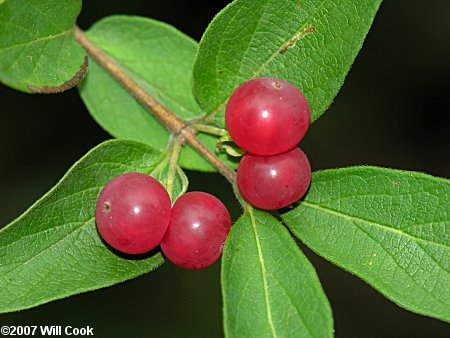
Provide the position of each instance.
(392, 112)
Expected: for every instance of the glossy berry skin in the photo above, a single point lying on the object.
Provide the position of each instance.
(199, 225)
(274, 182)
(133, 213)
(267, 116)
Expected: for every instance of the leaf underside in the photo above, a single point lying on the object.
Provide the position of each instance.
(53, 250)
(269, 287)
(389, 227)
(160, 59)
(38, 53)
(311, 44)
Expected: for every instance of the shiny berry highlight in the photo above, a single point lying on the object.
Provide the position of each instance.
(274, 182)
(133, 213)
(199, 226)
(267, 116)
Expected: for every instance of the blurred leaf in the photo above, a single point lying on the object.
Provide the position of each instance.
(37, 51)
(310, 43)
(53, 250)
(389, 227)
(159, 58)
(269, 287)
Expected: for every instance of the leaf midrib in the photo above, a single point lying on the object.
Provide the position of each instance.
(220, 106)
(264, 273)
(40, 39)
(411, 276)
(74, 230)
(378, 225)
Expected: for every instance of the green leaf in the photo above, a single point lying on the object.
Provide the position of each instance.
(160, 59)
(225, 143)
(310, 43)
(38, 53)
(269, 287)
(388, 227)
(53, 250)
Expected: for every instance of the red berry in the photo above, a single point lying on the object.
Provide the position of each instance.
(267, 116)
(133, 213)
(199, 225)
(274, 182)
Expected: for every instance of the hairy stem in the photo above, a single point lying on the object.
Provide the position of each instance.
(173, 123)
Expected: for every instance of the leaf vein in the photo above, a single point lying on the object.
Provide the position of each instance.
(43, 38)
(398, 263)
(379, 225)
(74, 230)
(264, 274)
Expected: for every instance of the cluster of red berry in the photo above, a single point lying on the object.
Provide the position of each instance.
(268, 117)
(134, 215)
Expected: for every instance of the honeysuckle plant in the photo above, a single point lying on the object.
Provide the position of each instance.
(162, 96)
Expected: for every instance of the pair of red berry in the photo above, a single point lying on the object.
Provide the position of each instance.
(268, 117)
(134, 215)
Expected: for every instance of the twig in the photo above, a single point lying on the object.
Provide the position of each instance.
(173, 123)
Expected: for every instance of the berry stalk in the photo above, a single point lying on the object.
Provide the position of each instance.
(174, 155)
(173, 123)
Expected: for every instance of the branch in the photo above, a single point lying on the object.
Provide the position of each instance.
(173, 123)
